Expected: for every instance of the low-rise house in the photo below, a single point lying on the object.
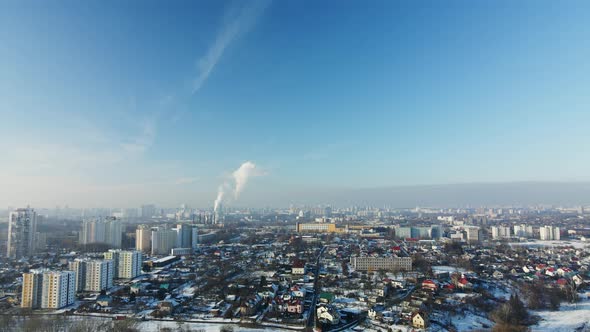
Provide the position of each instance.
(419, 320)
(295, 306)
(429, 285)
(498, 275)
(104, 300)
(298, 267)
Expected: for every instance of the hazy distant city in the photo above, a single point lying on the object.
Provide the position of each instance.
(268, 165)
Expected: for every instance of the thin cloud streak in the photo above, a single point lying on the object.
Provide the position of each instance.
(238, 19)
(144, 140)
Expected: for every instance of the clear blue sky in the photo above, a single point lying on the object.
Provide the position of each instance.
(122, 102)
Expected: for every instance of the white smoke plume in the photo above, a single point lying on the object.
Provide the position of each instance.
(220, 194)
(241, 176)
(237, 182)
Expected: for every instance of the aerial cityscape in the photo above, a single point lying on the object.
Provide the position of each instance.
(263, 165)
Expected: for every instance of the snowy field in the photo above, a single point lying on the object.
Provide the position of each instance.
(444, 268)
(570, 317)
(565, 243)
(471, 322)
(156, 326)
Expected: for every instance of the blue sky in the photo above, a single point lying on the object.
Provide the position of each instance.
(122, 102)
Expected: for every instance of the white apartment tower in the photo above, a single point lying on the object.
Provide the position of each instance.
(99, 275)
(127, 263)
(22, 227)
(59, 289)
(163, 240)
(499, 232)
(143, 238)
(108, 231)
(549, 233)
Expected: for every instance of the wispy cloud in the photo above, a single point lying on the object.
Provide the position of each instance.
(144, 139)
(238, 19)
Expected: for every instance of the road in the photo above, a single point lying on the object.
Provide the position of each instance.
(316, 293)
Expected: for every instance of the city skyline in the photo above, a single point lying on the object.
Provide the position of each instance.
(127, 103)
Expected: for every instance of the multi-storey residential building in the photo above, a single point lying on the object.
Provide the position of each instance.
(79, 268)
(549, 233)
(48, 289)
(523, 230)
(500, 232)
(32, 289)
(22, 228)
(108, 231)
(163, 240)
(381, 263)
(143, 238)
(59, 289)
(99, 275)
(184, 234)
(319, 228)
(473, 233)
(127, 264)
(194, 237)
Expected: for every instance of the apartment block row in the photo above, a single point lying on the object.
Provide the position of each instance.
(161, 240)
(47, 289)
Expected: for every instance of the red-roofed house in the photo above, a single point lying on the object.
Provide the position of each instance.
(429, 284)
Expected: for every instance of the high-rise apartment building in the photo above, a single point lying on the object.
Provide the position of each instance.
(127, 263)
(143, 238)
(79, 268)
(108, 231)
(163, 240)
(184, 235)
(99, 275)
(194, 236)
(22, 228)
(500, 232)
(473, 234)
(48, 289)
(59, 289)
(32, 289)
(549, 233)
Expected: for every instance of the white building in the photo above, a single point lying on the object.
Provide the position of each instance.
(108, 231)
(184, 235)
(523, 230)
(194, 237)
(99, 275)
(22, 227)
(163, 240)
(143, 238)
(549, 233)
(127, 263)
(500, 232)
(59, 289)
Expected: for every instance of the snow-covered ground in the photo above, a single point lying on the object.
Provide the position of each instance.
(543, 243)
(444, 268)
(156, 326)
(570, 317)
(471, 322)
